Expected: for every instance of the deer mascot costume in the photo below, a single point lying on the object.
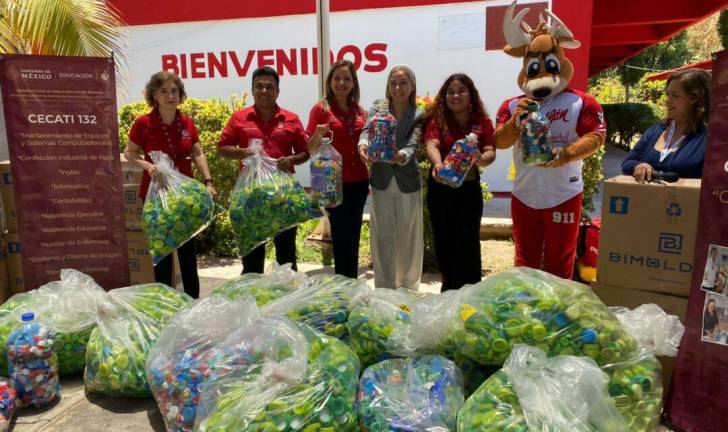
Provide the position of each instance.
(546, 204)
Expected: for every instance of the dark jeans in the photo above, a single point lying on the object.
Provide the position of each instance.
(187, 255)
(285, 243)
(345, 222)
(455, 217)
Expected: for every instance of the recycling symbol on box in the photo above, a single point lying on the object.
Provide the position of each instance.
(674, 209)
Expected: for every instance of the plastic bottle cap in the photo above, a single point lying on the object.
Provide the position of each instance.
(532, 107)
(28, 316)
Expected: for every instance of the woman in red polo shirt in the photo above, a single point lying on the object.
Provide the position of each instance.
(455, 213)
(166, 129)
(339, 113)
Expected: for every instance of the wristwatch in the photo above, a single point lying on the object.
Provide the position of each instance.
(208, 182)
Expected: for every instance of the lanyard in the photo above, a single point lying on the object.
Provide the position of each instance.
(669, 145)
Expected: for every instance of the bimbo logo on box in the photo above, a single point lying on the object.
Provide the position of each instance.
(668, 243)
(130, 197)
(134, 265)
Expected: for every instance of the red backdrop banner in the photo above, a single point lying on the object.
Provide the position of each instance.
(61, 122)
(698, 400)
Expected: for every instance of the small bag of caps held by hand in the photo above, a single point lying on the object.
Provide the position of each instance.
(286, 377)
(327, 181)
(7, 404)
(266, 201)
(535, 137)
(128, 322)
(175, 210)
(278, 281)
(324, 304)
(484, 321)
(379, 329)
(33, 363)
(189, 352)
(382, 134)
(67, 306)
(459, 161)
(412, 394)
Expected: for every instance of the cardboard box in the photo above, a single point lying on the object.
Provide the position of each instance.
(141, 270)
(14, 263)
(140, 264)
(668, 366)
(131, 173)
(5, 291)
(631, 298)
(133, 206)
(8, 197)
(647, 239)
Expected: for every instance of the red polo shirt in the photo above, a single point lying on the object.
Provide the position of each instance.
(176, 139)
(346, 127)
(282, 135)
(482, 127)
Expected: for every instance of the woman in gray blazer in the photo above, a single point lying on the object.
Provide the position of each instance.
(396, 207)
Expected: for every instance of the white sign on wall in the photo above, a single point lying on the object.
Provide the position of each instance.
(217, 58)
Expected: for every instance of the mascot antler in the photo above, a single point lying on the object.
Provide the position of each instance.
(515, 37)
(562, 33)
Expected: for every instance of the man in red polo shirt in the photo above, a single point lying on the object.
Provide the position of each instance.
(284, 139)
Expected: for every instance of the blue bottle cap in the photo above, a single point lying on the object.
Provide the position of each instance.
(28, 316)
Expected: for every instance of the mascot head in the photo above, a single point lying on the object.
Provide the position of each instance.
(546, 71)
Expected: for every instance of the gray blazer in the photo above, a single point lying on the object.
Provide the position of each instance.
(408, 134)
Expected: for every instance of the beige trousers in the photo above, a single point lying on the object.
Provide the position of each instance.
(396, 237)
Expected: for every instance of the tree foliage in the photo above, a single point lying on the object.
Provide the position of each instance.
(664, 56)
(723, 28)
(61, 27)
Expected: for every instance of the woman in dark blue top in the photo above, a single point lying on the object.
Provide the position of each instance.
(676, 144)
